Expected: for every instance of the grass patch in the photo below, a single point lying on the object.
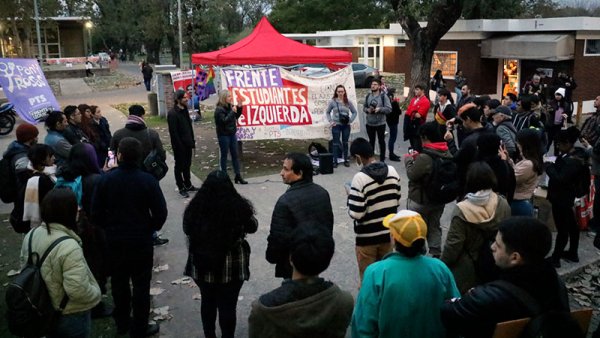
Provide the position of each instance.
(116, 80)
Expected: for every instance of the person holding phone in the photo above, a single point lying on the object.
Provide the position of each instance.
(343, 115)
(226, 121)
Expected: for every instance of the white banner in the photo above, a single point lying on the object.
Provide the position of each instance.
(280, 104)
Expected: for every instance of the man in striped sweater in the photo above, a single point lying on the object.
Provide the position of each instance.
(374, 194)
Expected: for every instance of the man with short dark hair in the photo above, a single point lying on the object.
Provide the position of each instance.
(465, 97)
(16, 152)
(305, 305)
(373, 194)
(377, 105)
(416, 115)
(510, 100)
(182, 142)
(136, 127)
(401, 295)
(73, 133)
(519, 250)
(56, 123)
(304, 204)
(129, 205)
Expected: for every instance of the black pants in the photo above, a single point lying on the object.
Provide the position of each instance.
(131, 264)
(552, 132)
(223, 297)
(183, 162)
(566, 228)
(380, 131)
(88, 73)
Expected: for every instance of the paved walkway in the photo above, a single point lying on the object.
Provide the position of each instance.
(74, 87)
(263, 192)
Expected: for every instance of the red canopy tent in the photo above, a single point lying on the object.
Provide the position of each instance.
(265, 45)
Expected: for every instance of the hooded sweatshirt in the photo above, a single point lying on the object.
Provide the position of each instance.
(374, 194)
(474, 221)
(298, 309)
(419, 169)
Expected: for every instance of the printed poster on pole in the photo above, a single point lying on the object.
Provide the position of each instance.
(25, 86)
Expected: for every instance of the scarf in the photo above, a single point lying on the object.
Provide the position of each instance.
(136, 120)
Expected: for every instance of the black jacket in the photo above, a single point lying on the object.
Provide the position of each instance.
(225, 119)
(466, 154)
(148, 137)
(303, 204)
(475, 314)
(563, 173)
(129, 204)
(180, 129)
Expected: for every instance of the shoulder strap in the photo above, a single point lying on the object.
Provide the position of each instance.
(47, 252)
(523, 296)
(29, 256)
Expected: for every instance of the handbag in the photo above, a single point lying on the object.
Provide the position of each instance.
(584, 208)
(343, 117)
(154, 164)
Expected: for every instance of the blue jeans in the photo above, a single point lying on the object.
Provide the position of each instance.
(458, 94)
(147, 83)
(393, 137)
(228, 143)
(344, 131)
(74, 325)
(521, 208)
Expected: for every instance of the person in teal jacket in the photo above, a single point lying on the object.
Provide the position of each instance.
(402, 294)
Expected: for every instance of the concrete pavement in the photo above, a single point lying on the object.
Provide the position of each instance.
(263, 192)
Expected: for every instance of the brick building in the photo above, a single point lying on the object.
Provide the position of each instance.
(495, 55)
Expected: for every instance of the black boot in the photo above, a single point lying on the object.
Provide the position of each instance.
(240, 180)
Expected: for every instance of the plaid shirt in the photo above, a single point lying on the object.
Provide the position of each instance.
(236, 266)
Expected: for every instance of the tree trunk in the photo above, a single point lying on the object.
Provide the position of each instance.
(421, 64)
(16, 37)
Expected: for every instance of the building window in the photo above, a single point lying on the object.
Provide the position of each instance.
(592, 47)
(446, 61)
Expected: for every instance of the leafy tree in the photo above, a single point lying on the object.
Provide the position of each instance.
(293, 16)
(440, 16)
(493, 9)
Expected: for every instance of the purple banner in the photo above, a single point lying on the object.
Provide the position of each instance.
(25, 86)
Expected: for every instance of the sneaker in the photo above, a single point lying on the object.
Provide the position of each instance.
(335, 164)
(346, 164)
(159, 241)
(184, 193)
(191, 188)
(394, 158)
(102, 310)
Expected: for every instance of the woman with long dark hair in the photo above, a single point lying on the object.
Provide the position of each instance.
(527, 170)
(216, 222)
(226, 119)
(81, 174)
(340, 122)
(65, 270)
(102, 129)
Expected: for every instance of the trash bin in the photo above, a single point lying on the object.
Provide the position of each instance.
(153, 103)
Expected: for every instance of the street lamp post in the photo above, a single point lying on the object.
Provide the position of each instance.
(89, 25)
(180, 35)
(37, 29)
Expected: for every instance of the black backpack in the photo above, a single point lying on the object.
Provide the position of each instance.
(8, 180)
(443, 186)
(30, 312)
(582, 187)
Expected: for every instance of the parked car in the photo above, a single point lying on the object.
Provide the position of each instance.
(363, 74)
(309, 69)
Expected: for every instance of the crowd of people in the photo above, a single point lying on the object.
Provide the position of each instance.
(484, 154)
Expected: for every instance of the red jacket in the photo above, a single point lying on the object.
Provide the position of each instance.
(420, 105)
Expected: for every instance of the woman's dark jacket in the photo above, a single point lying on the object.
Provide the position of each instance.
(563, 174)
(226, 118)
(180, 129)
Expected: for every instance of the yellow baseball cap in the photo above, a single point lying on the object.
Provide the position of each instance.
(406, 227)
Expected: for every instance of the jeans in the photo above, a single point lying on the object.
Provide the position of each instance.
(183, 162)
(131, 264)
(221, 297)
(343, 131)
(393, 136)
(431, 215)
(521, 208)
(566, 228)
(458, 94)
(147, 83)
(380, 131)
(73, 325)
(228, 143)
